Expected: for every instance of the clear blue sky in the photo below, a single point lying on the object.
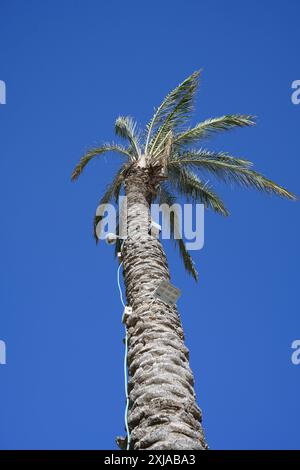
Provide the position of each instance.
(71, 67)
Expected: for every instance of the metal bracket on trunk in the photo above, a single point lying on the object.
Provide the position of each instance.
(167, 293)
(127, 312)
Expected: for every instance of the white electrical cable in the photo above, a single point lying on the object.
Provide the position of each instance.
(126, 390)
(119, 286)
(125, 355)
(125, 362)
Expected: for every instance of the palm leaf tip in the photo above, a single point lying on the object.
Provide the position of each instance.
(75, 174)
(227, 169)
(85, 160)
(79, 168)
(272, 187)
(125, 125)
(126, 128)
(252, 179)
(95, 152)
(173, 111)
(229, 121)
(210, 126)
(292, 196)
(187, 260)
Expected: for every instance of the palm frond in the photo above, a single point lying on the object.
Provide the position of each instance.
(176, 117)
(166, 197)
(230, 169)
(126, 128)
(204, 128)
(194, 157)
(90, 154)
(163, 151)
(168, 155)
(177, 104)
(193, 189)
(112, 191)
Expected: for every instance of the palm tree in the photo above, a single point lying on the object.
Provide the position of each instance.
(160, 164)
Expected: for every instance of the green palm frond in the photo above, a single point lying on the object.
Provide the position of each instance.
(176, 117)
(187, 259)
(194, 157)
(90, 154)
(193, 189)
(230, 169)
(112, 191)
(170, 155)
(126, 128)
(204, 128)
(177, 105)
(166, 197)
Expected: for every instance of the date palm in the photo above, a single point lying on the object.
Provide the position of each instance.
(163, 163)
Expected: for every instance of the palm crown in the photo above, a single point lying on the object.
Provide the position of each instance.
(169, 144)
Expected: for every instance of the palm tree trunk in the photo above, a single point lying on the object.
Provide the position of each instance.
(163, 413)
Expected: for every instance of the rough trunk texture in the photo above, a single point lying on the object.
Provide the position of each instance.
(163, 413)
